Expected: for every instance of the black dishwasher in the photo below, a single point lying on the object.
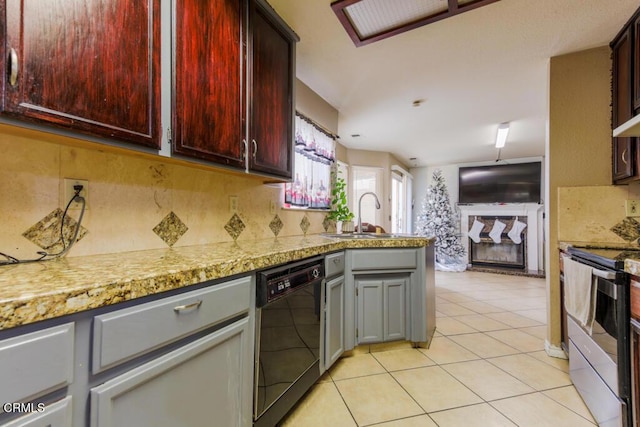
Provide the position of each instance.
(289, 303)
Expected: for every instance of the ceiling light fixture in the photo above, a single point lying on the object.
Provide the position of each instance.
(367, 21)
(501, 136)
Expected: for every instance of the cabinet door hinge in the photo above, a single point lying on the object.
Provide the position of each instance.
(356, 291)
(169, 136)
(356, 332)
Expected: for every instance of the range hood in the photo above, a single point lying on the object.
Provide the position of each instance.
(629, 128)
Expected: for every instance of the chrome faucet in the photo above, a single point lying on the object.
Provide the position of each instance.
(360, 208)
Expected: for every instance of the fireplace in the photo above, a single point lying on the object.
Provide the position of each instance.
(526, 257)
(506, 253)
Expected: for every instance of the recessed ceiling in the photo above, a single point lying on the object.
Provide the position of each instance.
(474, 71)
(367, 21)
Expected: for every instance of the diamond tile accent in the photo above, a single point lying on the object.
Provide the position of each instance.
(628, 229)
(235, 227)
(170, 229)
(276, 225)
(46, 232)
(326, 223)
(305, 224)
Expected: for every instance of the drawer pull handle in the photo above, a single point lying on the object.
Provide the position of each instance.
(336, 261)
(255, 148)
(13, 67)
(624, 155)
(193, 305)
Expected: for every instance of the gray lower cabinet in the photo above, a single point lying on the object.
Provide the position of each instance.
(206, 382)
(57, 414)
(381, 308)
(334, 321)
(37, 369)
(36, 363)
(182, 359)
(389, 295)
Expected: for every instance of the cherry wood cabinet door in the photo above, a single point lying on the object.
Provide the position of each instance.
(624, 160)
(208, 80)
(86, 65)
(271, 109)
(636, 64)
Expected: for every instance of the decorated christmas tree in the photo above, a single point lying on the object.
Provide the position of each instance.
(438, 219)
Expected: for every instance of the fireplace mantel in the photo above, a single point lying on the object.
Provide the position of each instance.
(534, 231)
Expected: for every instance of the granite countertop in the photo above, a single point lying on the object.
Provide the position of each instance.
(45, 290)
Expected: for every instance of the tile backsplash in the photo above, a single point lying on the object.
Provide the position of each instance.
(596, 215)
(136, 202)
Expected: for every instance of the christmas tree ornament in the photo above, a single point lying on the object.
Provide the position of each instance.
(515, 234)
(475, 231)
(496, 231)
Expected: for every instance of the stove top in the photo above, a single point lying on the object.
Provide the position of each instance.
(611, 258)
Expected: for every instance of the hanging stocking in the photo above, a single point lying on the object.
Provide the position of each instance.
(515, 234)
(476, 228)
(496, 231)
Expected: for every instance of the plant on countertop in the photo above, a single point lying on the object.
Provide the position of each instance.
(339, 208)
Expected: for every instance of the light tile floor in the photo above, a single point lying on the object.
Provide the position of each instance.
(485, 367)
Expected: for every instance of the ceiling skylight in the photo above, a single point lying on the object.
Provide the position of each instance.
(367, 21)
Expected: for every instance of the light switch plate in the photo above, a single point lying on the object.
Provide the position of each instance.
(632, 207)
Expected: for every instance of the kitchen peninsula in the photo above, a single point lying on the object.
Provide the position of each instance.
(117, 322)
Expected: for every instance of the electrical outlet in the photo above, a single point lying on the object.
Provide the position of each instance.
(272, 207)
(69, 192)
(233, 204)
(632, 207)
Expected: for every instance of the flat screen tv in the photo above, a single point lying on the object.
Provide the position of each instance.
(512, 183)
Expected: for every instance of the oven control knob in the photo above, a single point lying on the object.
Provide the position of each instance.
(315, 273)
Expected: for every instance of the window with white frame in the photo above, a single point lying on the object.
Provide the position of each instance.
(314, 156)
(401, 202)
(367, 179)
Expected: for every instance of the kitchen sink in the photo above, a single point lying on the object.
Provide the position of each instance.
(366, 235)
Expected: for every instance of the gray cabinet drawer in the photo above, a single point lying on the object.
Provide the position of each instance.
(384, 259)
(36, 363)
(334, 264)
(57, 414)
(127, 333)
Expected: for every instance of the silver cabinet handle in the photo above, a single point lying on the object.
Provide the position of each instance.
(13, 67)
(193, 305)
(624, 154)
(245, 148)
(255, 148)
(336, 261)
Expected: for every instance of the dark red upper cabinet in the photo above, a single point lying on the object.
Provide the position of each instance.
(623, 148)
(209, 80)
(86, 65)
(233, 77)
(271, 108)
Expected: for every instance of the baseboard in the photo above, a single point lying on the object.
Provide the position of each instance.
(554, 350)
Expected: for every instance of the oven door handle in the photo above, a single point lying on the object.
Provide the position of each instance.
(607, 275)
(608, 285)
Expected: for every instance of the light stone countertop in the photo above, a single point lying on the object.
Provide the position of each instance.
(33, 292)
(631, 253)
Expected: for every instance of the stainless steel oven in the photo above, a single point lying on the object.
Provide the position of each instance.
(289, 304)
(600, 358)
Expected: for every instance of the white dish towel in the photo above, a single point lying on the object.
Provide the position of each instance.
(580, 293)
